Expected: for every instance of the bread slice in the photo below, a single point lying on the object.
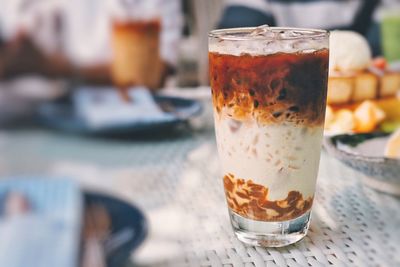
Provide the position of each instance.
(365, 87)
(340, 89)
(390, 84)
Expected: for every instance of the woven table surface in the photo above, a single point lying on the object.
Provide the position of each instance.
(176, 182)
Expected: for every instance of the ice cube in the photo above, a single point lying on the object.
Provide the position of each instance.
(234, 125)
(288, 34)
(263, 30)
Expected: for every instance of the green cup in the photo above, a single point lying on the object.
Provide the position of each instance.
(390, 30)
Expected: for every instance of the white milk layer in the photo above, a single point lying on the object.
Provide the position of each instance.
(281, 157)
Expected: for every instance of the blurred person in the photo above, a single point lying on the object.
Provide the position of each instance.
(73, 38)
(355, 15)
(22, 56)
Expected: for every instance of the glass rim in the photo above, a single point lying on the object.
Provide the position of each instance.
(230, 34)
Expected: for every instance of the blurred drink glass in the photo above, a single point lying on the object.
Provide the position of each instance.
(390, 28)
(136, 46)
(269, 95)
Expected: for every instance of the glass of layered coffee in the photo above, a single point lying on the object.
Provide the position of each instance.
(269, 96)
(136, 39)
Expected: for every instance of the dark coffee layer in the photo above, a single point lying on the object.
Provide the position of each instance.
(250, 200)
(151, 26)
(271, 88)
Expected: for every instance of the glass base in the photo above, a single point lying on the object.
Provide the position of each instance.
(270, 234)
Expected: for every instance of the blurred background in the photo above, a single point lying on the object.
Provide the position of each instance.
(74, 40)
(49, 48)
(115, 96)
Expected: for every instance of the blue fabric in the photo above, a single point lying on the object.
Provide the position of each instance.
(374, 38)
(241, 16)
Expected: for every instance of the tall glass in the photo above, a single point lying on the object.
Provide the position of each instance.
(137, 58)
(269, 96)
(136, 38)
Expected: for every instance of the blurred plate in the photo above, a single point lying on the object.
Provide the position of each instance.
(125, 218)
(63, 116)
(365, 153)
(62, 199)
(20, 97)
(37, 88)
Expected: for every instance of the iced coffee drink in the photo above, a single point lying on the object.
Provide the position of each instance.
(269, 95)
(137, 59)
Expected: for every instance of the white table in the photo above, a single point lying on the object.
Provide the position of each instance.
(176, 182)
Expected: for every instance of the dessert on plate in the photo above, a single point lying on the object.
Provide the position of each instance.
(362, 91)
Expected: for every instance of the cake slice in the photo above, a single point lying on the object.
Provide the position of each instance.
(365, 87)
(390, 84)
(340, 89)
